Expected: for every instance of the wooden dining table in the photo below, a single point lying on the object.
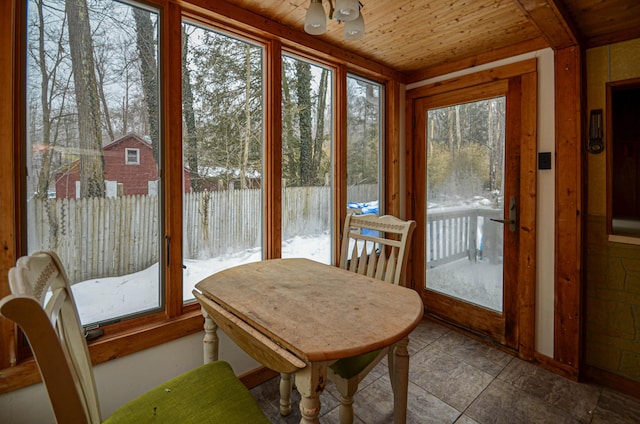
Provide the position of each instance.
(298, 316)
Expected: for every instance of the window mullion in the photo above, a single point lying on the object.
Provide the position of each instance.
(171, 89)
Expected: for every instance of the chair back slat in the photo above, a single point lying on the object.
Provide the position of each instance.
(376, 246)
(362, 259)
(41, 303)
(371, 261)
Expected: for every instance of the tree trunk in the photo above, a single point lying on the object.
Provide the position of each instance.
(303, 72)
(145, 41)
(320, 110)
(189, 117)
(450, 118)
(458, 129)
(87, 99)
(103, 99)
(288, 152)
(45, 170)
(247, 112)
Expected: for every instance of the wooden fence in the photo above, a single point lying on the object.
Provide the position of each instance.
(106, 237)
(463, 233)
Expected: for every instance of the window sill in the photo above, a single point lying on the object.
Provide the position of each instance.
(124, 340)
(613, 238)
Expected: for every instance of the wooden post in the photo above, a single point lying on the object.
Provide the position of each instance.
(472, 237)
(568, 207)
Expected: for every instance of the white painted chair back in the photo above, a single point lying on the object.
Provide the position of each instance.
(41, 303)
(376, 246)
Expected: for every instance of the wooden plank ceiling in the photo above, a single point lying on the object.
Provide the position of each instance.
(420, 38)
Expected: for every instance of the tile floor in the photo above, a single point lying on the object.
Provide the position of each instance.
(455, 379)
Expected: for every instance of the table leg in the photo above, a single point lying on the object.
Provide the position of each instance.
(310, 382)
(400, 381)
(210, 341)
(285, 393)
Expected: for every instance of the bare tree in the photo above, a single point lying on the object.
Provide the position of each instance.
(101, 69)
(247, 131)
(303, 91)
(87, 99)
(191, 148)
(321, 107)
(145, 42)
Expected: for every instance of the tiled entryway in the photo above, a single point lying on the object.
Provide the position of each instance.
(455, 379)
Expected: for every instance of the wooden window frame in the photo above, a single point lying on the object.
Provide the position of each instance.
(179, 319)
(609, 142)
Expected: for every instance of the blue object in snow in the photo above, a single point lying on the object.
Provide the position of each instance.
(367, 208)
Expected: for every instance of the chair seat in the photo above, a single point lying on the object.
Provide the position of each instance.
(350, 367)
(208, 394)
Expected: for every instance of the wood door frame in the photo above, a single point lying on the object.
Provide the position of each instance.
(524, 75)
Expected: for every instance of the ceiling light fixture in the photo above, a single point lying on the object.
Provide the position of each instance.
(347, 11)
(315, 23)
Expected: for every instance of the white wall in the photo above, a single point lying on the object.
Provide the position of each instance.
(125, 378)
(545, 191)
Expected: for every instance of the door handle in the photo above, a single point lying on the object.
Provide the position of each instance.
(512, 215)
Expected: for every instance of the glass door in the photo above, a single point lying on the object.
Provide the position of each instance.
(469, 205)
(465, 198)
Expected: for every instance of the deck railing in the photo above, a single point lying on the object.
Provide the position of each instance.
(454, 234)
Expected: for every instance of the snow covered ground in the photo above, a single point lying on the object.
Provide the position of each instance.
(479, 283)
(105, 298)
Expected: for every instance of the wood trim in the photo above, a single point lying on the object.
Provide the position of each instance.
(112, 346)
(488, 322)
(257, 376)
(512, 251)
(550, 17)
(391, 152)
(476, 60)
(555, 366)
(273, 151)
(339, 160)
(482, 77)
(11, 57)
(568, 200)
(610, 88)
(527, 220)
(613, 381)
(613, 38)
(171, 84)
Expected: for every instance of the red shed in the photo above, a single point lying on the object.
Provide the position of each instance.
(128, 161)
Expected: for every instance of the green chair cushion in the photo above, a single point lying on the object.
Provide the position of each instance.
(350, 367)
(208, 394)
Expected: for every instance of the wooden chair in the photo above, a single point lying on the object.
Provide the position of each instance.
(377, 247)
(42, 304)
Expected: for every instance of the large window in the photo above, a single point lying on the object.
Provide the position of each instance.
(160, 145)
(93, 108)
(364, 140)
(307, 144)
(222, 108)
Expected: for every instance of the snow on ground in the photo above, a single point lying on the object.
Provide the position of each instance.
(475, 282)
(104, 299)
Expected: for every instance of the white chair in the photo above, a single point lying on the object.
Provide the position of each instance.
(42, 304)
(377, 247)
